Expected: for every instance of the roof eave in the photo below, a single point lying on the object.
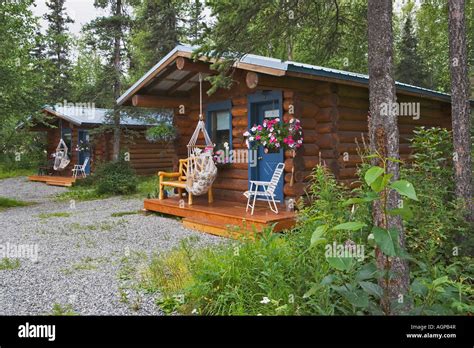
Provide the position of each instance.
(150, 74)
(364, 82)
(62, 116)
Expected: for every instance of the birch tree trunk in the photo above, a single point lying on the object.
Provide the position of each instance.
(384, 139)
(460, 108)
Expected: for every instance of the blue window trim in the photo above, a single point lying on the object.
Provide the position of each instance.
(219, 106)
(252, 100)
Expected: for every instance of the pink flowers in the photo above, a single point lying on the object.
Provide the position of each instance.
(273, 134)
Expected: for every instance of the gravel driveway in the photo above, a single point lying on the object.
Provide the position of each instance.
(81, 251)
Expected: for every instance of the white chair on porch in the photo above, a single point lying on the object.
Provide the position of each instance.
(268, 190)
(80, 169)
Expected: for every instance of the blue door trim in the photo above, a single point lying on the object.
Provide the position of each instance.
(219, 106)
(252, 101)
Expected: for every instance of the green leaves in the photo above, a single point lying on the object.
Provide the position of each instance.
(372, 174)
(356, 297)
(350, 226)
(386, 240)
(405, 212)
(372, 289)
(376, 179)
(340, 263)
(369, 197)
(368, 271)
(317, 237)
(404, 188)
(311, 291)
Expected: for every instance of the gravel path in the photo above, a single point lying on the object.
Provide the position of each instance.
(80, 252)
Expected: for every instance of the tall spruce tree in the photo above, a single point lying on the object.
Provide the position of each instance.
(158, 27)
(58, 43)
(108, 35)
(410, 68)
(196, 24)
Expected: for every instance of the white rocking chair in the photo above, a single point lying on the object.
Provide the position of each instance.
(80, 169)
(268, 192)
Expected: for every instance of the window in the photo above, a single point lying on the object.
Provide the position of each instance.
(219, 124)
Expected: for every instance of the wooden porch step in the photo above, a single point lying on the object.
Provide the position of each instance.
(215, 228)
(223, 218)
(59, 183)
(65, 181)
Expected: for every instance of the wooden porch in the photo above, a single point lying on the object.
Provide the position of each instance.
(223, 217)
(66, 181)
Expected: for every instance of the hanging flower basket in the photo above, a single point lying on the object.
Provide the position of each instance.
(274, 135)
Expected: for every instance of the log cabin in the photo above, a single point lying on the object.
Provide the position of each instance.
(78, 126)
(332, 106)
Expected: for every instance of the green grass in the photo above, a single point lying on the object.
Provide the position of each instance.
(81, 193)
(147, 186)
(52, 215)
(85, 264)
(9, 264)
(6, 203)
(13, 173)
(101, 226)
(59, 310)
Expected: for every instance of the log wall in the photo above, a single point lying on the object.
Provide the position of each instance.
(352, 126)
(146, 158)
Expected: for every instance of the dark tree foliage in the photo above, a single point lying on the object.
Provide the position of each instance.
(327, 33)
(57, 51)
(108, 34)
(410, 67)
(158, 27)
(21, 82)
(196, 24)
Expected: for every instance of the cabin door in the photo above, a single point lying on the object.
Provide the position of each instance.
(84, 149)
(266, 106)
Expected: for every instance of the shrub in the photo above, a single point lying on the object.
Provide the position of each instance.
(116, 177)
(88, 181)
(289, 274)
(161, 132)
(438, 224)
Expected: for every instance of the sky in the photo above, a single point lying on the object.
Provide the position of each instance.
(81, 11)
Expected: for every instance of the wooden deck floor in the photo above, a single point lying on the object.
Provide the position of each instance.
(53, 180)
(224, 218)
